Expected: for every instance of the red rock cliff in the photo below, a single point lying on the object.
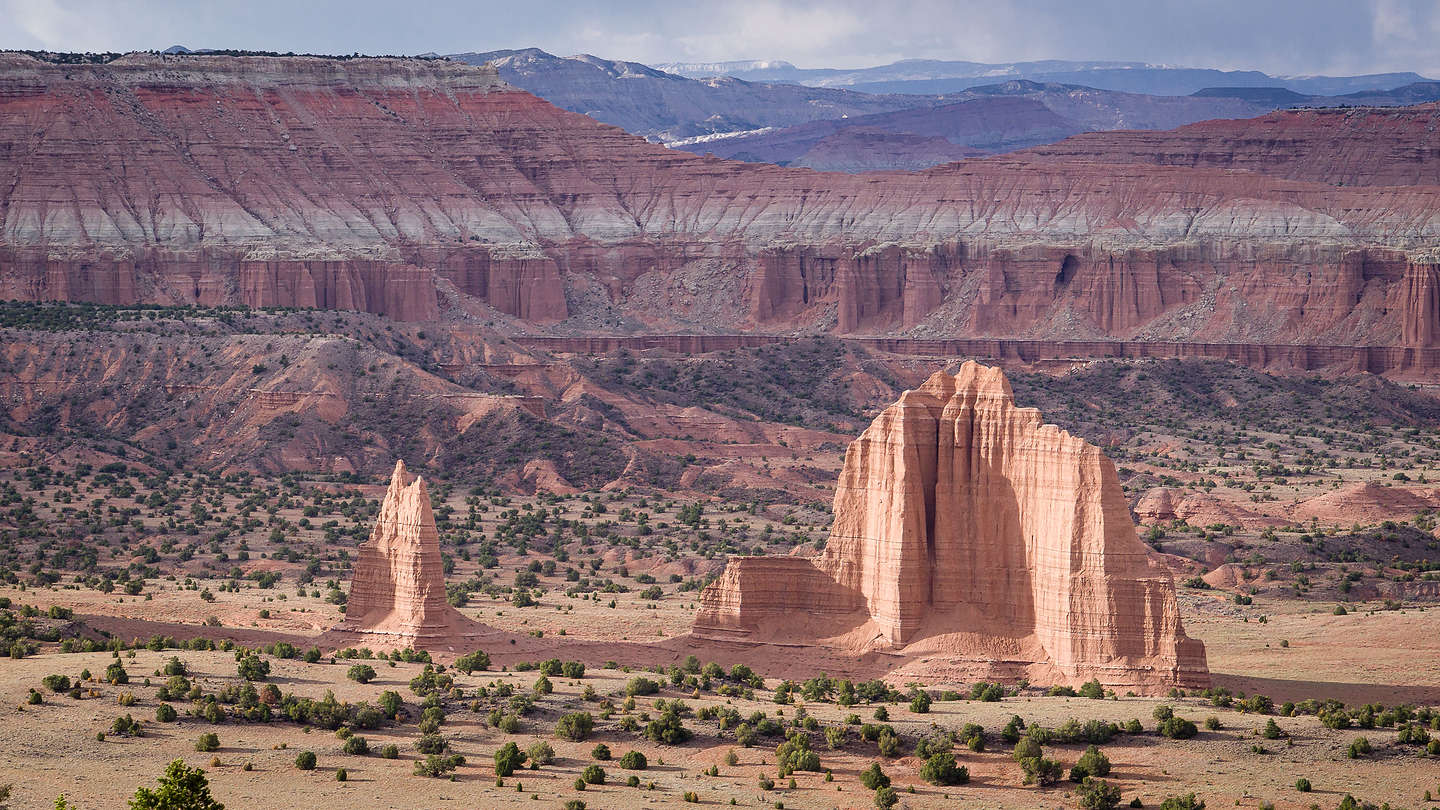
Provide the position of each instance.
(367, 183)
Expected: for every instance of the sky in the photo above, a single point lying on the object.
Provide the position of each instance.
(1290, 37)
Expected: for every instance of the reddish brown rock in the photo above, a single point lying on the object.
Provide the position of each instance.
(397, 595)
(366, 183)
(966, 528)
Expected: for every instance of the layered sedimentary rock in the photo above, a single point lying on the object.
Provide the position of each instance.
(397, 595)
(963, 526)
(401, 186)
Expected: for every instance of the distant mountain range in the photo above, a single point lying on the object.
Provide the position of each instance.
(665, 107)
(934, 76)
(925, 111)
(996, 118)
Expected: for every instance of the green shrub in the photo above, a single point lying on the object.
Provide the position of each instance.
(1186, 802)
(920, 703)
(390, 751)
(541, 753)
(1303, 785)
(180, 787)
(1097, 794)
(641, 686)
(361, 673)
(886, 798)
(1360, 747)
(432, 744)
(633, 761)
(207, 743)
(165, 713)
(593, 775)
(253, 668)
(575, 726)
(795, 755)
(1092, 763)
(888, 743)
(1040, 771)
(940, 769)
(874, 778)
(508, 759)
(305, 760)
(356, 745)
(600, 752)
(437, 765)
(1178, 728)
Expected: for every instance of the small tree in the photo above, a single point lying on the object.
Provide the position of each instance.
(886, 798)
(593, 775)
(356, 745)
(208, 742)
(361, 673)
(181, 788)
(633, 761)
(305, 760)
(874, 778)
(508, 758)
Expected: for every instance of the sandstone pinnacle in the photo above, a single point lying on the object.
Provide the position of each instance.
(965, 527)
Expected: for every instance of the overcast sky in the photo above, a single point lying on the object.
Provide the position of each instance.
(1277, 36)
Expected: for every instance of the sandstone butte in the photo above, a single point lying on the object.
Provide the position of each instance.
(397, 595)
(972, 535)
(422, 189)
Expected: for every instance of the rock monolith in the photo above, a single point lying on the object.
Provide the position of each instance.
(970, 533)
(397, 594)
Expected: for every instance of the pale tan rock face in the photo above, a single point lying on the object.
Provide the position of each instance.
(965, 525)
(397, 595)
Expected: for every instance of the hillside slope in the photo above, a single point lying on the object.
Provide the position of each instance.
(422, 190)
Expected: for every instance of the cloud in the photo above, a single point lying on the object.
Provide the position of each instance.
(47, 24)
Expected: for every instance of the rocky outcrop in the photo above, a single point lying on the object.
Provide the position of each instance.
(1341, 146)
(1420, 306)
(397, 594)
(401, 187)
(964, 525)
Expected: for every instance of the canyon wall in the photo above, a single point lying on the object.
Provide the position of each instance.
(394, 186)
(965, 528)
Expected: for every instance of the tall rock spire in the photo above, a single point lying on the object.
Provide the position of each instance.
(966, 526)
(397, 593)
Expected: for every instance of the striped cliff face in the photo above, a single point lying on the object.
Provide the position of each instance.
(414, 189)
